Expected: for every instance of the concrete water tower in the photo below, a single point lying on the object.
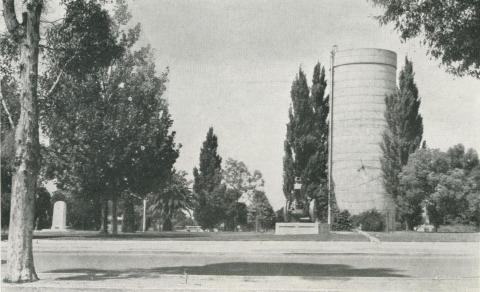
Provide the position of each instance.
(361, 80)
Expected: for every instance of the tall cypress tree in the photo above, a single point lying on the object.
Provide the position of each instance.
(306, 139)
(404, 129)
(207, 183)
(317, 164)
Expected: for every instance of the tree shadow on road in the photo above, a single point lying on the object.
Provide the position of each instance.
(232, 269)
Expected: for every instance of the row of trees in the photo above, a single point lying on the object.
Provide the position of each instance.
(98, 100)
(107, 123)
(450, 31)
(415, 177)
(306, 154)
(232, 196)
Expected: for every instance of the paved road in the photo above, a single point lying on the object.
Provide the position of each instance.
(433, 266)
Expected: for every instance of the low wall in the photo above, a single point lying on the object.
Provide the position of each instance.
(300, 228)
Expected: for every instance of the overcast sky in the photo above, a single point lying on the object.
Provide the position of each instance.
(232, 64)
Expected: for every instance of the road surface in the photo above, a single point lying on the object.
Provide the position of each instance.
(298, 265)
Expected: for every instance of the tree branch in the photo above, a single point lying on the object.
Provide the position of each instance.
(54, 85)
(13, 26)
(48, 48)
(51, 22)
(57, 80)
(4, 105)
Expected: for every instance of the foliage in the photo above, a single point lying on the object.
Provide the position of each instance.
(279, 215)
(416, 183)
(5, 208)
(130, 220)
(43, 209)
(108, 127)
(403, 132)
(260, 212)
(342, 221)
(174, 197)
(180, 220)
(243, 185)
(83, 212)
(448, 202)
(207, 185)
(84, 41)
(449, 29)
(236, 176)
(235, 212)
(305, 146)
(446, 182)
(232, 209)
(58, 196)
(473, 198)
(6, 159)
(370, 220)
(461, 159)
(10, 97)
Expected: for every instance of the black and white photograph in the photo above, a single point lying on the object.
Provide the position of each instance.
(240, 145)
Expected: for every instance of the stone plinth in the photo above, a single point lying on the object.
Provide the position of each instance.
(300, 228)
(59, 218)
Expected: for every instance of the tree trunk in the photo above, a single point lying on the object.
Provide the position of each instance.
(20, 267)
(167, 225)
(128, 216)
(114, 215)
(104, 226)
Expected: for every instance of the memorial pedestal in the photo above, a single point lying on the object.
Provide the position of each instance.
(59, 218)
(301, 228)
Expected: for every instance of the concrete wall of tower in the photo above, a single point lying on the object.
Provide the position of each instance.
(362, 79)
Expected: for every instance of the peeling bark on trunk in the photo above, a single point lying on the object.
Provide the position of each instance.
(20, 267)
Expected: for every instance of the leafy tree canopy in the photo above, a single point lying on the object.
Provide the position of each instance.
(448, 183)
(450, 29)
(174, 197)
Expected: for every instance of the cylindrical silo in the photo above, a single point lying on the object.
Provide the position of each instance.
(361, 80)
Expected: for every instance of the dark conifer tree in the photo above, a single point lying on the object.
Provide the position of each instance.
(207, 184)
(404, 129)
(316, 168)
(306, 140)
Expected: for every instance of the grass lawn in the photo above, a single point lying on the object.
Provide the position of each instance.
(197, 236)
(412, 236)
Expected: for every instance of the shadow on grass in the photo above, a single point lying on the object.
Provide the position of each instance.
(232, 269)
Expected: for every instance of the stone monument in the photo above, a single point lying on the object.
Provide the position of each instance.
(426, 226)
(59, 218)
(300, 215)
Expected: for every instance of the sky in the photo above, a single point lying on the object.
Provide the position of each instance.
(232, 64)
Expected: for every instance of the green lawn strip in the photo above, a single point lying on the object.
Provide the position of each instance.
(197, 236)
(412, 236)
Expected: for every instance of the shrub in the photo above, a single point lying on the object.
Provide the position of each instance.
(370, 220)
(58, 196)
(342, 221)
